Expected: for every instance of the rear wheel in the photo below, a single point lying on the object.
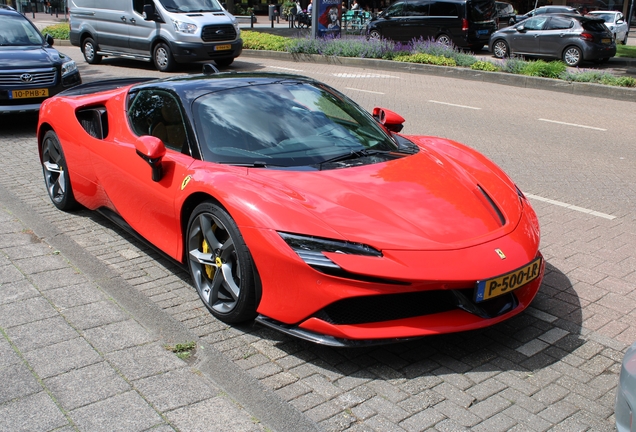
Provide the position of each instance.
(374, 34)
(444, 39)
(572, 56)
(89, 49)
(162, 56)
(56, 178)
(500, 49)
(221, 265)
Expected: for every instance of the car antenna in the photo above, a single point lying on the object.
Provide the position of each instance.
(209, 69)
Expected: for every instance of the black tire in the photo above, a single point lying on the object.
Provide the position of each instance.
(500, 49)
(56, 176)
(89, 49)
(572, 56)
(444, 39)
(162, 57)
(375, 34)
(224, 62)
(220, 264)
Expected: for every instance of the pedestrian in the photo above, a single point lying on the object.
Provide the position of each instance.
(309, 7)
(355, 6)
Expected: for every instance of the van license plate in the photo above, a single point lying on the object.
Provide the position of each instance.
(606, 40)
(31, 93)
(489, 288)
(222, 47)
(482, 32)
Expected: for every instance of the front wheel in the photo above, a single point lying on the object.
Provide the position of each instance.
(444, 39)
(500, 49)
(221, 265)
(374, 34)
(56, 178)
(572, 56)
(162, 56)
(89, 49)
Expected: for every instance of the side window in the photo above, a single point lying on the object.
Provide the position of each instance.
(416, 8)
(157, 113)
(444, 9)
(535, 23)
(559, 23)
(396, 9)
(138, 5)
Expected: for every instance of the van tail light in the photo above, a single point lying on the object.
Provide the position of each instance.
(587, 37)
(464, 24)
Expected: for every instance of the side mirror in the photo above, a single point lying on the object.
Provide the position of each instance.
(620, 21)
(49, 39)
(152, 150)
(150, 13)
(521, 29)
(389, 119)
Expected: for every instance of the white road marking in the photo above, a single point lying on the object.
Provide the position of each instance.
(572, 124)
(365, 91)
(367, 75)
(571, 207)
(287, 69)
(455, 105)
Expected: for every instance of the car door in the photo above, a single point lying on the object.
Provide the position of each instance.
(526, 39)
(393, 20)
(147, 206)
(557, 34)
(140, 31)
(417, 21)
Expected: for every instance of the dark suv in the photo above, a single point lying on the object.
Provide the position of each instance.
(30, 69)
(464, 23)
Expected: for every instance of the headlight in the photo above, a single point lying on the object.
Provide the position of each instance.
(68, 68)
(237, 28)
(184, 27)
(300, 243)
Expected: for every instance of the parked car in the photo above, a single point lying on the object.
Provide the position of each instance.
(626, 393)
(30, 68)
(572, 38)
(615, 22)
(341, 231)
(463, 23)
(545, 10)
(166, 32)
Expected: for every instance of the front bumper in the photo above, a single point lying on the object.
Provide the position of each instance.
(9, 105)
(186, 52)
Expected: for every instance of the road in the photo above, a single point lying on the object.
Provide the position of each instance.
(553, 367)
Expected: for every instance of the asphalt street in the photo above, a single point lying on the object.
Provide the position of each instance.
(86, 309)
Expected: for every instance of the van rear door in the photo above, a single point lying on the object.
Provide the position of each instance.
(481, 16)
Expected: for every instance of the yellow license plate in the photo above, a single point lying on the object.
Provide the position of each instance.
(503, 284)
(222, 47)
(606, 40)
(32, 93)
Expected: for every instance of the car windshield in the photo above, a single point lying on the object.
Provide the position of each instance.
(187, 6)
(18, 31)
(608, 18)
(288, 123)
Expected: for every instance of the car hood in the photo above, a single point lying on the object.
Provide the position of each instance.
(30, 57)
(421, 202)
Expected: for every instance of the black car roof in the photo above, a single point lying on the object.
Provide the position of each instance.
(191, 87)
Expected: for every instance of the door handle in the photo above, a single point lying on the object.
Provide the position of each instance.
(562, 34)
(132, 20)
(123, 18)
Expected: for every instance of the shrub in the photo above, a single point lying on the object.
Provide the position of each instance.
(484, 66)
(263, 41)
(58, 31)
(598, 77)
(544, 69)
(427, 59)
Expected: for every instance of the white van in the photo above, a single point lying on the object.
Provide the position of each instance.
(166, 32)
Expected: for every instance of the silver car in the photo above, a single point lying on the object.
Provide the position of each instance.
(626, 393)
(572, 38)
(614, 21)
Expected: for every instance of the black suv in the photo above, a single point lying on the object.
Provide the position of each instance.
(463, 23)
(30, 68)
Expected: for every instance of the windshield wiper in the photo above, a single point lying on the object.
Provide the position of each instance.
(353, 154)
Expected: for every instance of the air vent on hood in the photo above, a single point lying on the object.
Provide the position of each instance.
(193, 15)
(502, 219)
(219, 14)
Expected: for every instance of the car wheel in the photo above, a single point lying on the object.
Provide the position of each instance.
(56, 178)
(375, 34)
(164, 62)
(444, 39)
(224, 62)
(500, 49)
(220, 264)
(572, 56)
(89, 49)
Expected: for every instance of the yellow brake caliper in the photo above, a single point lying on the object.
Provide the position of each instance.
(209, 269)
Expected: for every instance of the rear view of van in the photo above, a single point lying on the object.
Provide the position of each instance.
(463, 23)
(165, 32)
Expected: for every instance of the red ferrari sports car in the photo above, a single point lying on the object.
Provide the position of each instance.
(291, 204)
